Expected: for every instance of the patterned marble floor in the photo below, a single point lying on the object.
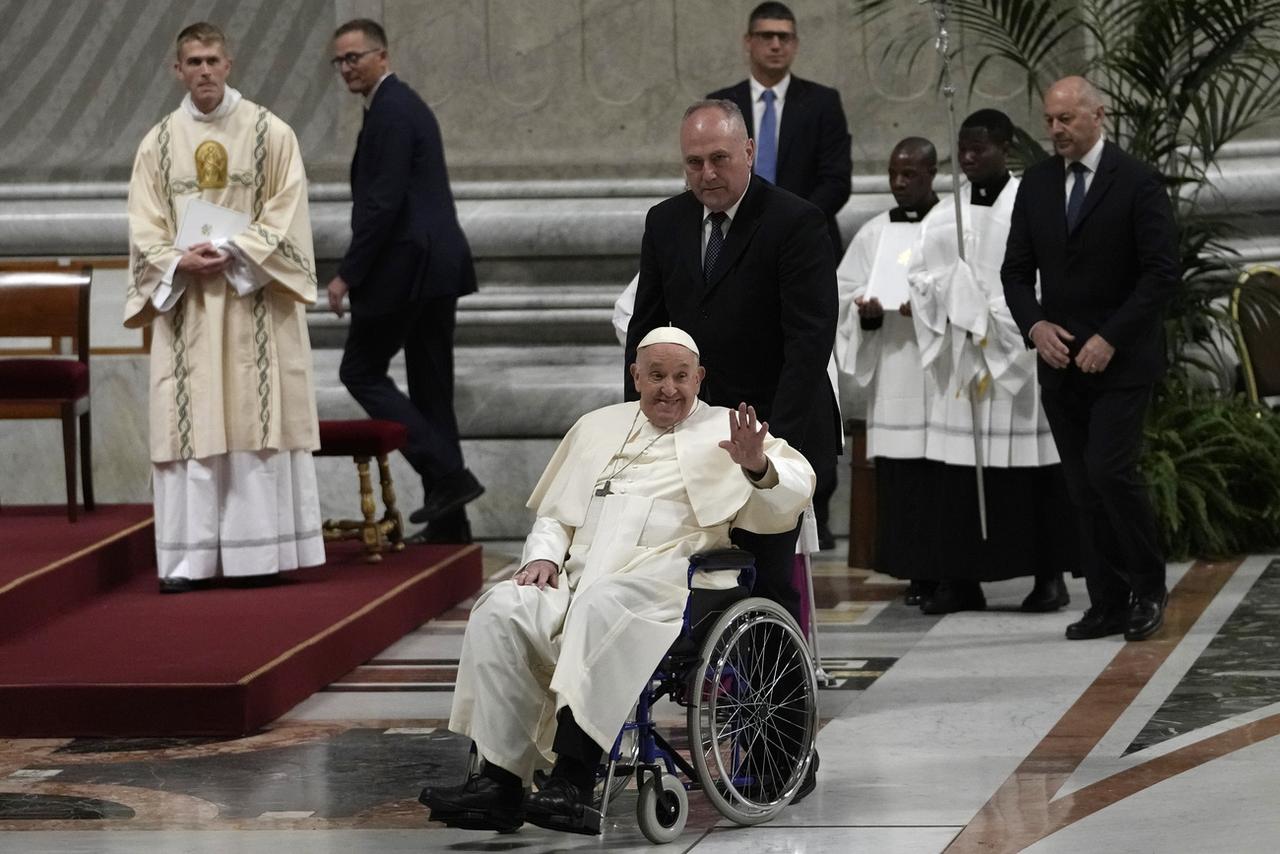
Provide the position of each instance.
(971, 732)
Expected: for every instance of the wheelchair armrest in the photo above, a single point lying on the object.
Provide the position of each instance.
(718, 559)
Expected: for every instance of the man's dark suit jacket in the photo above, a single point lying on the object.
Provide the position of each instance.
(1112, 275)
(406, 243)
(765, 323)
(814, 158)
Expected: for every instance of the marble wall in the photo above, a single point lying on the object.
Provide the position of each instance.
(523, 88)
(559, 118)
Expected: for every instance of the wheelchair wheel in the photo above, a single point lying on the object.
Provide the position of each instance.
(753, 711)
(662, 808)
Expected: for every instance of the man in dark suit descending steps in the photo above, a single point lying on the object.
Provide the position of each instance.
(407, 264)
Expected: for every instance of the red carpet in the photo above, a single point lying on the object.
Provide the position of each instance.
(128, 661)
(48, 564)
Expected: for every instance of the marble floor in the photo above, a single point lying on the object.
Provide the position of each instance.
(971, 732)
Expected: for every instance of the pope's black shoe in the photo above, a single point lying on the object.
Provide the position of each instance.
(1146, 616)
(1097, 623)
(953, 596)
(478, 804)
(1047, 595)
(449, 494)
(560, 805)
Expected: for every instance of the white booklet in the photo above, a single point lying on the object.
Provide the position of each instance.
(888, 281)
(204, 222)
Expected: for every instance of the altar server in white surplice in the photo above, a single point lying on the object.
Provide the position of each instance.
(974, 350)
(233, 412)
(553, 661)
(876, 348)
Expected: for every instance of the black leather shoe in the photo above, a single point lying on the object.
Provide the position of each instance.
(1046, 596)
(1146, 616)
(953, 596)
(810, 782)
(436, 533)
(447, 495)
(918, 591)
(478, 804)
(185, 585)
(560, 805)
(1097, 623)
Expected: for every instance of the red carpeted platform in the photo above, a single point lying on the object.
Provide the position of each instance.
(125, 660)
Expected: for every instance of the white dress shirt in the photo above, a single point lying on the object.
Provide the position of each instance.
(724, 228)
(1090, 161)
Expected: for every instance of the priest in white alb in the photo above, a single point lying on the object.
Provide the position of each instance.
(232, 405)
(876, 348)
(985, 390)
(553, 661)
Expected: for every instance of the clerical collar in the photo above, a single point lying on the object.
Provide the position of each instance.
(985, 193)
(912, 214)
(230, 98)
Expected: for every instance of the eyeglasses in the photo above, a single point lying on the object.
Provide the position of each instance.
(352, 58)
(769, 35)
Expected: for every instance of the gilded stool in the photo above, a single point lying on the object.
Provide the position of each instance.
(364, 440)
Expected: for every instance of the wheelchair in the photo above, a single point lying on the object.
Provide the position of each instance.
(743, 671)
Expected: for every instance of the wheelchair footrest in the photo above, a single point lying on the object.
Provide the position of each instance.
(479, 820)
(583, 819)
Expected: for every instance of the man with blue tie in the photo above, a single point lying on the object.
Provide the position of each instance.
(802, 145)
(1097, 226)
(407, 264)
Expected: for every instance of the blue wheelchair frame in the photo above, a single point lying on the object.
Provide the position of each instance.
(671, 679)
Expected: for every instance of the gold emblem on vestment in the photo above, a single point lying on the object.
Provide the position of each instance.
(211, 165)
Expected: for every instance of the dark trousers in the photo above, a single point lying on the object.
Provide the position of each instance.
(424, 330)
(775, 556)
(1099, 436)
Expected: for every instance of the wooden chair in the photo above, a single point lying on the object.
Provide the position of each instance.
(50, 302)
(363, 440)
(1257, 317)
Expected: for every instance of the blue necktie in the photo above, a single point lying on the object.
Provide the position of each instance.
(767, 141)
(1076, 200)
(714, 242)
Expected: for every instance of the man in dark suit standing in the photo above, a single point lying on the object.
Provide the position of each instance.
(747, 269)
(407, 264)
(1098, 227)
(802, 145)
(808, 149)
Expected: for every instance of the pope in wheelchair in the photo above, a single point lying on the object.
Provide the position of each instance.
(552, 662)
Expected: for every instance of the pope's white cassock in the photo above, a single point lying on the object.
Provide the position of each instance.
(593, 642)
(969, 341)
(232, 408)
